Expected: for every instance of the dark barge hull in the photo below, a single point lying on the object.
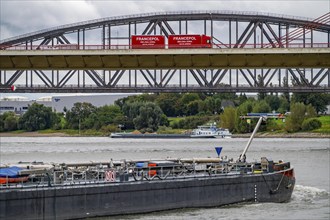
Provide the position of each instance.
(159, 136)
(144, 196)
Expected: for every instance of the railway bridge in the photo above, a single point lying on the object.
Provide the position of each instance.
(257, 52)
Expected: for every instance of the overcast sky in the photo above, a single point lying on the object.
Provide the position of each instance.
(24, 16)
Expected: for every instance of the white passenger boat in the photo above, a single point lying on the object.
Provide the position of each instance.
(211, 130)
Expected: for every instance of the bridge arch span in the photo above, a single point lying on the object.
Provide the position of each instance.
(241, 27)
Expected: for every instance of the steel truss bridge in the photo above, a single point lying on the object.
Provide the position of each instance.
(76, 69)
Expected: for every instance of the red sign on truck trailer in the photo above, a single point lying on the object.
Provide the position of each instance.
(148, 42)
(189, 41)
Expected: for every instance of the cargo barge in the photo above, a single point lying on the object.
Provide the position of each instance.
(159, 136)
(88, 190)
(209, 131)
(82, 190)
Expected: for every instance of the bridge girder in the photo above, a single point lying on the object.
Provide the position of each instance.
(171, 80)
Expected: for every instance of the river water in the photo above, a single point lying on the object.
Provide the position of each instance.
(310, 157)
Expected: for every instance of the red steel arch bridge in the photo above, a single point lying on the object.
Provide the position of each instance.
(62, 59)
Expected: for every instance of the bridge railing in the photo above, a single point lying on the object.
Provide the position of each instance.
(126, 47)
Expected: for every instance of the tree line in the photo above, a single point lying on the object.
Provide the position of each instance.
(148, 112)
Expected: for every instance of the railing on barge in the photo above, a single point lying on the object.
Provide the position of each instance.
(102, 174)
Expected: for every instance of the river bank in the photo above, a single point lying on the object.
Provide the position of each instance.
(34, 134)
(258, 135)
(285, 135)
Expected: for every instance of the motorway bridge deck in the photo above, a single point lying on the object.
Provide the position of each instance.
(165, 59)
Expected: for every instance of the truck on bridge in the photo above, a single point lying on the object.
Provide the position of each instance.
(174, 41)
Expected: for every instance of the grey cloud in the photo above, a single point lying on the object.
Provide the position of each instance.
(37, 15)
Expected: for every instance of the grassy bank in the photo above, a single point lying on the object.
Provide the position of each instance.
(325, 129)
(54, 133)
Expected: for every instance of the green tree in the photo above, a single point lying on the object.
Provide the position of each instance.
(192, 122)
(121, 102)
(91, 122)
(204, 108)
(131, 109)
(8, 121)
(192, 107)
(246, 107)
(228, 117)
(146, 97)
(284, 105)
(149, 117)
(318, 100)
(124, 122)
(38, 117)
(241, 125)
(57, 120)
(208, 105)
(261, 106)
(217, 106)
(242, 98)
(261, 95)
(286, 95)
(225, 96)
(182, 104)
(2, 119)
(166, 102)
(294, 121)
(78, 115)
(273, 101)
(105, 115)
(310, 111)
(189, 97)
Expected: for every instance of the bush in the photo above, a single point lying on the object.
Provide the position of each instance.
(293, 122)
(311, 124)
(273, 125)
(109, 129)
(192, 122)
(228, 117)
(8, 121)
(147, 130)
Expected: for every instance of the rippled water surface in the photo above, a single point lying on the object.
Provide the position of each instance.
(310, 157)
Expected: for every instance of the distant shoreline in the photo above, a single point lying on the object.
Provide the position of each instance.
(258, 135)
(34, 134)
(284, 135)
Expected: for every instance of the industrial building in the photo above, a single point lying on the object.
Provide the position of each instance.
(58, 103)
